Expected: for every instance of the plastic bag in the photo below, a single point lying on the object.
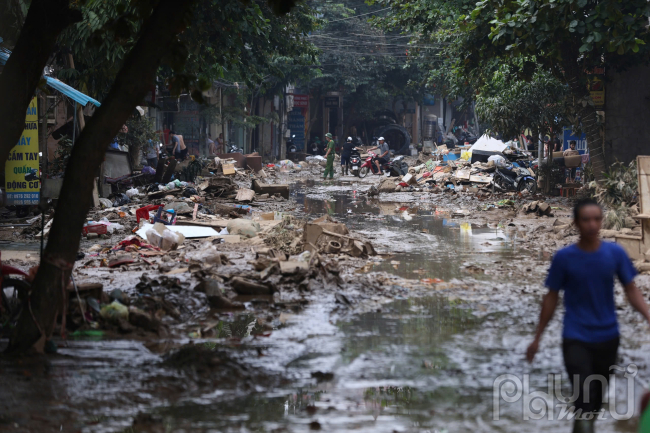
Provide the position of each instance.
(131, 192)
(160, 236)
(121, 200)
(207, 254)
(114, 312)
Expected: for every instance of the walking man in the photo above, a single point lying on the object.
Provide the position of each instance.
(586, 271)
(329, 168)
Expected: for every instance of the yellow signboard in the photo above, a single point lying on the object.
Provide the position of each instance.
(597, 90)
(22, 179)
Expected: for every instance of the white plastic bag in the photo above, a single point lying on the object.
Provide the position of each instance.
(132, 192)
(160, 236)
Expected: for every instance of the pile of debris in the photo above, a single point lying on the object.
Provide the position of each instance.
(439, 172)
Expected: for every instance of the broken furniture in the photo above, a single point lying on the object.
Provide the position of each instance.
(638, 246)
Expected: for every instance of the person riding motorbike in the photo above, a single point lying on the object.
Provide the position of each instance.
(345, 156)
(384, 153)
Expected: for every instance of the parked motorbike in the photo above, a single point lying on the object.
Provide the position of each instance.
(355, 162)
(232, 148)
(369, 166)
(13, 292)
(514, 178)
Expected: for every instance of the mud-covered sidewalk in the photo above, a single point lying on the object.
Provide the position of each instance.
(405, 326)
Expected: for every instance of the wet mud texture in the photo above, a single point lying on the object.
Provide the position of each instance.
(412, 343)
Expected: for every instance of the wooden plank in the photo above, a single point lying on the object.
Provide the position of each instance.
(263, 188)
(245, 195)
(643, 170)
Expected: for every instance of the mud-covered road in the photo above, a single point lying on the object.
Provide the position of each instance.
(459, 302)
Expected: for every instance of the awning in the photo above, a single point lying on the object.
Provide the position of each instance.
(60, 86)
(4, 54)
(71, 93)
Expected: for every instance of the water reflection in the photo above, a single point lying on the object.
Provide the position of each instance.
(423, 240)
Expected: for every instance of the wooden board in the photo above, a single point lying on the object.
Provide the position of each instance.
(245, 195)
(643, 167)
(463, 174)
(263, 188)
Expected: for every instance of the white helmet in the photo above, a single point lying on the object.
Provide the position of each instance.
(349, 139)
(381, 139)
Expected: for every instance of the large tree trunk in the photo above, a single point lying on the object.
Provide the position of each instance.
(130, 87)
(575, 76)
(45, 20)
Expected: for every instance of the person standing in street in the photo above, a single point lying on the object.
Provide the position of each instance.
(329, 154)
(152, 154)
(345, 156)
(179, 150)
(585, 272)
(220, 144)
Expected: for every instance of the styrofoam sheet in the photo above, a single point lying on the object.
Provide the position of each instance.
(187, 231)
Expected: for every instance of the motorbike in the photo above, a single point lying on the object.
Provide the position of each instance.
(232, 148)
(355, 162)
(514, 178)
(13, 292)
(370, 166)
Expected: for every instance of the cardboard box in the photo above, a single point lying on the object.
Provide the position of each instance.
(228, 169)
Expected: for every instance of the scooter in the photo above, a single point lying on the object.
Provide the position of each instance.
(355, 162)
(232, 148)
(13, 292)
(370, 166)
(517, 179)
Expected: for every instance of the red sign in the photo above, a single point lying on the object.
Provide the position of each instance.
(301, 101)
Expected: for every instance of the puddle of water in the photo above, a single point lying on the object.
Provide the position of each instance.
(424, 241)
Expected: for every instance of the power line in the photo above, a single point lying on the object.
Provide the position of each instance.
(357, 16)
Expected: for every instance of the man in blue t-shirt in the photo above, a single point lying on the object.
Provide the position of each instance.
(585, 272)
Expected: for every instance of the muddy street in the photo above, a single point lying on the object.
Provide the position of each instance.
(412, 339)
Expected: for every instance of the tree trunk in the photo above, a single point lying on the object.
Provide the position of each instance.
(45, 21)
(585, 110)
(589, 120)
(130, 87)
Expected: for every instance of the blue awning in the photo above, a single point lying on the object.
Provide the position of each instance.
(71, 93)
(68, 91)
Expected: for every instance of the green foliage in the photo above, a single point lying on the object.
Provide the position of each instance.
(61, 156)
(620, 186)
(553, 29)
(140, 131)
(363, 61)
(235, 40)
(511, 105)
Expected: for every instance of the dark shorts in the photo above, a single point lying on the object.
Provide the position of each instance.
(345, 159)
(181, 155)
(382, 160)
(583, 360)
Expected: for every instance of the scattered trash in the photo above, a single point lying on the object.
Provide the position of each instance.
(160, 236)
(115, 312)
(242, 227)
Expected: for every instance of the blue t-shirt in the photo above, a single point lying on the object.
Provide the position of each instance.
(588, 283)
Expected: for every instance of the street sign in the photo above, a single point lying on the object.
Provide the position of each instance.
(331, 102)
